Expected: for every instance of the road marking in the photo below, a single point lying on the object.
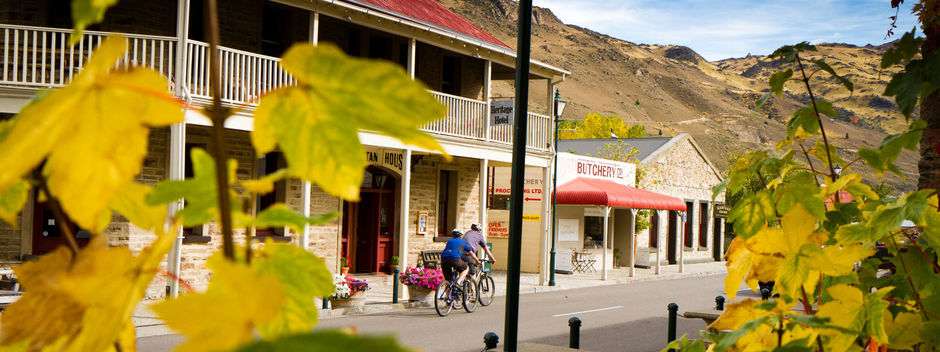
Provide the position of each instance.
(587, 311)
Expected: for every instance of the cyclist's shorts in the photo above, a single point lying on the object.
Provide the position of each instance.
(452, 264)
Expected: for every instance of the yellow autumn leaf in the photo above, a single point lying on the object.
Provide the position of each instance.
(81, 304)
(237, 301)
(739, 264)
(797, 226)
(131, 203)
(100, 124)
(836, 260)
(736, 314)
(12, 200)
(842, 311)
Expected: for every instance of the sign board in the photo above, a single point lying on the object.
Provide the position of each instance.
(501, 112)
(594, 211)
(499, 229)
(721, 210)
(392, 159)
(422, 222)
(568, 230)
(572, 166)
(563, 260)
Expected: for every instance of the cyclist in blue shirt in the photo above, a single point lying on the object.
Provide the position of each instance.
(450, 257)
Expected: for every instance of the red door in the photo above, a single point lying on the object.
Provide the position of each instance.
(369, 225)
(48, 231)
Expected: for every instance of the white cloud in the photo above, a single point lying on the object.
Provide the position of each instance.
(721, 29)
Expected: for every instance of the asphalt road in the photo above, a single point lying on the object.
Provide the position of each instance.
(614, 318)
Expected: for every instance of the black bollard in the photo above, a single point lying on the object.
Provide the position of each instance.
(395, 286)
(574, 335)
(673, 312)
(326, 303)
(720, 303)
(764, 294)
(490, 339)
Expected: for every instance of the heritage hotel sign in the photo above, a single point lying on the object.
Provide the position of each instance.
(571, 166)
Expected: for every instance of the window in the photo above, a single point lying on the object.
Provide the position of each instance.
(593, 232)
(268, 164)
(450, 75)
(193, 234)
(654, 229)
(496, 198)
(689, 221)
(380, 48)
(275, 29)
(703, 226)
(447, 202)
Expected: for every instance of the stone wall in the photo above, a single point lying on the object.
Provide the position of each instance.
(683, 173)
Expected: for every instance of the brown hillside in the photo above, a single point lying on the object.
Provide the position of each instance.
(673, 89)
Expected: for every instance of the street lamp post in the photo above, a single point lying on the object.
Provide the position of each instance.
(559, 108)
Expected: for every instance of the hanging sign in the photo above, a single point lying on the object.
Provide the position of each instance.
(501, 112)
(571, 166)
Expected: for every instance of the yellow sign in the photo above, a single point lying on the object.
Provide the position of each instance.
(530, 217)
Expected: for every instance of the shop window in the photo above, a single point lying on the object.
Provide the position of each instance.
(447, 202)
(450, 75)
(268, 164)
(703, 225)
(593, 232)
(496, 199)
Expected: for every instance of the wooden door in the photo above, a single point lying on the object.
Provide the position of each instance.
(386, 229)
(48, 233)
(367, 232)
(673, 237)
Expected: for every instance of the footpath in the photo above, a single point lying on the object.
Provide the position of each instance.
(379, 298)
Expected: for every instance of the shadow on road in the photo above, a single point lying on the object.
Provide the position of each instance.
(639, 336)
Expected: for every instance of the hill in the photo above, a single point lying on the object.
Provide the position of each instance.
(672, 89)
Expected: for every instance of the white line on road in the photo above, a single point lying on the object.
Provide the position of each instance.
(587, 311)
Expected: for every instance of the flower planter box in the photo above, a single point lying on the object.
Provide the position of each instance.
(419, 293)
(347, 302)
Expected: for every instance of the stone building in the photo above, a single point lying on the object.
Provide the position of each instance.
(677, 167)
(409, 196)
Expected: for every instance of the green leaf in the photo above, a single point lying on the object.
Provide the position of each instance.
(303, 276)
(12, 200)
(801, 345)
(788, 53)
(777, 80)
(200, 192)
(85, 13)
(845, 81)
(931, 228)
(793, 193)
(806, 117)
(720, 187)
(903, 50)
(683, 344)
(325, 341)
(316, 122)
(131, 203)
(280, 214)
(749, 214)
(763, 100)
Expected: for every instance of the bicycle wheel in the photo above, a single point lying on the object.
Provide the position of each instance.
(469, 295)
(442, 299)
(486, 290)
(456, 298)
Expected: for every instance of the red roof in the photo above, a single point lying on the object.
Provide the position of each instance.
(589, 191)
(434, 13)
(844, 197)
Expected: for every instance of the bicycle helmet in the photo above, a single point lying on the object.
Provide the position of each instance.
(475, 227)
(456, 233)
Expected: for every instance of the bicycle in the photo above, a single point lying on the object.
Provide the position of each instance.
(449, 295)
(486, 287)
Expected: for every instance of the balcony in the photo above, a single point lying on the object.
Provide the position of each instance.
(37, 57)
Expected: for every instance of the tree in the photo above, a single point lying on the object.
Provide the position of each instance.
(596, 126)
(928, 12)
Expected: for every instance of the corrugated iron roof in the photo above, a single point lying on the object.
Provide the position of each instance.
(586, 191)
(434, 13)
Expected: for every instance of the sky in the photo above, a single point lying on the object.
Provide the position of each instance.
(720, 29)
